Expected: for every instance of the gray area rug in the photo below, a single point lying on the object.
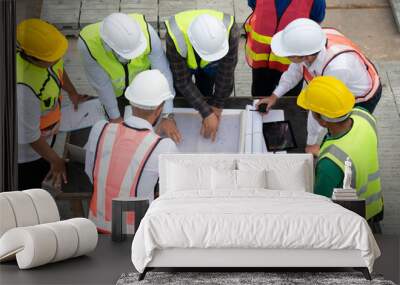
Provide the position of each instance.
(243, 278)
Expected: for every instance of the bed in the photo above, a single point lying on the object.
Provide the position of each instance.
(244, 210)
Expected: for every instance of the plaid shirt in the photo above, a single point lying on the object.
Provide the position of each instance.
(223, 82)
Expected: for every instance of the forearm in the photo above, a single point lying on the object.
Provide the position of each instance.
(100, 81)
(168, 106)
(226, 70)
(44, 150)
(194, 97)
(109, 100)
(183, 81)
(289, 79)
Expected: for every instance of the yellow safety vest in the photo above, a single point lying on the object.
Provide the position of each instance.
(120, 75)
(46, 84)
(360, 144)
(177, 28)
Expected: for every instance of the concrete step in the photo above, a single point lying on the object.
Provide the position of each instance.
(94, 11)
(356, 4)
(64, 14)
(149, 8)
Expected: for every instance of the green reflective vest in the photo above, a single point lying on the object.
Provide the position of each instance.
(120, 75)
(46, 84)
(177, 28)
(360, 144)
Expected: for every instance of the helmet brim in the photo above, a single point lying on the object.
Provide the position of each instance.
(215, 56)
(278, 47)
(146, 105)
(301, 100)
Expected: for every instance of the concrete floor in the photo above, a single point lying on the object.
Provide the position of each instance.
(106, 264)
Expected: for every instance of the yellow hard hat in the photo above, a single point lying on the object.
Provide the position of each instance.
(328, 96)
(41, 40)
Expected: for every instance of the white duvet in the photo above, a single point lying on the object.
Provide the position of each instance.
(250, 219)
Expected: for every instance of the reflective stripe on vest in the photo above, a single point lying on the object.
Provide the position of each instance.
(118, 73)
(178, 25)
(263, 24)
(121, 155)
(360, 144)
(338, 44)
(46, 85)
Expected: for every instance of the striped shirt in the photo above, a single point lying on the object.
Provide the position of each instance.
(224, 77)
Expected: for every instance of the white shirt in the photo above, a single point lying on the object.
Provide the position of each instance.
(101, 82)
(150, 171)
(347, 67)
(28, 106)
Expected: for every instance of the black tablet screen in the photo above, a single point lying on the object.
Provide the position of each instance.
(279, 136)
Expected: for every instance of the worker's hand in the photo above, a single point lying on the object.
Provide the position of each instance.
(168, 127)
(217, 112)
(270, 101)
(313, 149)
(77, 98)
(210, 127)
(117, 120)
(58, 172)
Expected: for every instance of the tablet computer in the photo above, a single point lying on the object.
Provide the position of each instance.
(279, 136)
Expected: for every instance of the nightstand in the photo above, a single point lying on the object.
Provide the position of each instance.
(357, 206)
(121, 205)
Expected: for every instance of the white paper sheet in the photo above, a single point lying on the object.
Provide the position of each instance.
(248, 147)
(257, 141)
(240, 130)
(88, 114)
(229, 137)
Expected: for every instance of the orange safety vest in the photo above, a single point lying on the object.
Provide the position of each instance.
(121, 155)
(263, 24)
(338, 44)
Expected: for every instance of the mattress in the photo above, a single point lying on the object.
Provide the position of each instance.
(250, 219)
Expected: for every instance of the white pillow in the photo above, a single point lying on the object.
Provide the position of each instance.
(282, 174)
(186, 177)
(251, 178)
(291, 179)
(223, 179)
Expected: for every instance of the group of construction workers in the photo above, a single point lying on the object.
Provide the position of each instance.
(125, 63)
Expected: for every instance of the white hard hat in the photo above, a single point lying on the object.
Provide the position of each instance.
(300, 38)
(124, 35)
(148, 90)
(209, 37)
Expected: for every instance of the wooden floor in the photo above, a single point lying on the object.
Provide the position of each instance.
(106, 264)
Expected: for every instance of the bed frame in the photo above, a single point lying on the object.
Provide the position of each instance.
(246, 258)
(242, 259)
